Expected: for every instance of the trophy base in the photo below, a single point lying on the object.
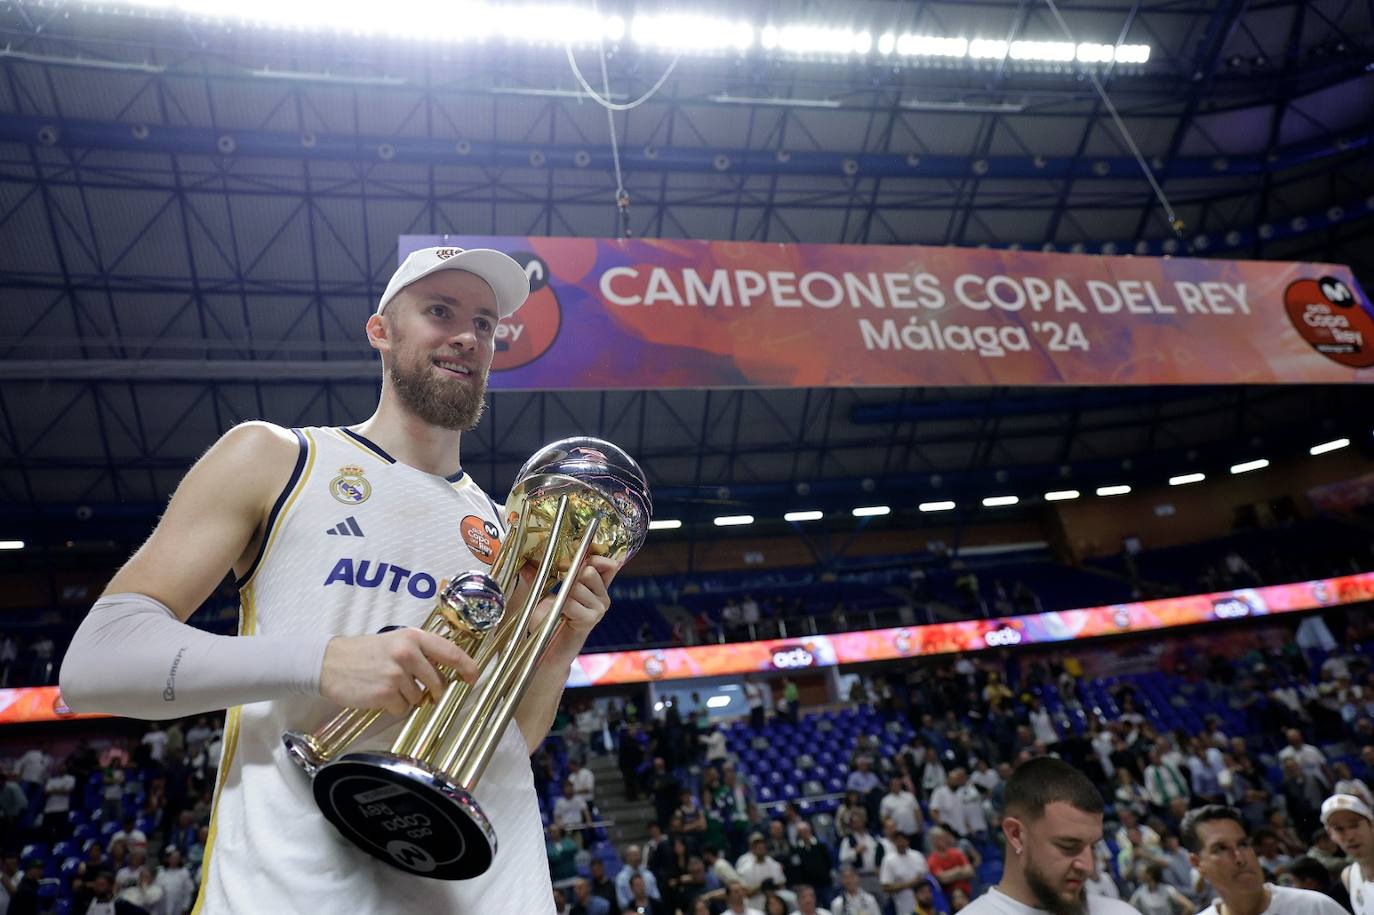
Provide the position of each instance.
(406, 815)
(301, 750)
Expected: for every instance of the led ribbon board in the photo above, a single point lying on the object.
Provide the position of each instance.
(964, 636)
(646, 313)
(44, 703)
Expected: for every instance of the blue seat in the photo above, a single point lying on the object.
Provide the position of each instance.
(36, 850)
(84, 832)
(66, 849)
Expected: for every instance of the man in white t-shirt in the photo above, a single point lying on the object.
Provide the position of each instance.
(756, 867)
(1349, 821)
(1053, 820)
(753, 697)
(570, 811)
(58, 793)
(853, 899)
(947, 807)
(156, 742)
(806, 902)
(737, 901)
(901, 871)
(901, 805)
(1312, 760)
(583, 780)
(1221, 850)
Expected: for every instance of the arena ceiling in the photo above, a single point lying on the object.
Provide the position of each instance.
(197, 216)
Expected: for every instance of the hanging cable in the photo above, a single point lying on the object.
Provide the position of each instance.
(622, 196)
(605, 102)
(1175, 223)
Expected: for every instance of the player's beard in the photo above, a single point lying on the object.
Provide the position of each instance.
(453, 403)
(1050, 900)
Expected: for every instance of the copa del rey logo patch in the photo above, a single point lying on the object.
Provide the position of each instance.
(481, 537)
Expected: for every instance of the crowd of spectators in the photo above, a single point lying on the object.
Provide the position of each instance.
(919, 830)
(121, 829)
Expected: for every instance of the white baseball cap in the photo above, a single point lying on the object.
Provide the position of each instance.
(1338, 802)
(505, 277)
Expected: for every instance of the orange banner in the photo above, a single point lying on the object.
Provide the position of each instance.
(652, 313)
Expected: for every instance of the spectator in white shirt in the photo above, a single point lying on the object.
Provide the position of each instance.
(863, 851)
(737, 901)
(1312, 760)
(156, 742)
(58, 791)
(1042, 724)
(806, 902)
(853, 899)
(946, 807)
(570, 811)
(901, 805)
(900, 872)
(756, 866)
(985, 777)
(583, 780)
(1163, 782)
(178, 890)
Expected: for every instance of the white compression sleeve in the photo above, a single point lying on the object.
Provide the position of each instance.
(131, 656)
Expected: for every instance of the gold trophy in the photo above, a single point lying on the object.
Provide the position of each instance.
(412, 806)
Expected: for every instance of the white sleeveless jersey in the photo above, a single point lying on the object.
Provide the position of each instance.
(356, 541)
(1361, 891)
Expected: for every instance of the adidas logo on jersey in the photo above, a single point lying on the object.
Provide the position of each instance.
(346, 528)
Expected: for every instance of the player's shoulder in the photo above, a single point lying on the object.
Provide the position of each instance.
(1304, 902)
(1105, 905)
(260, 440)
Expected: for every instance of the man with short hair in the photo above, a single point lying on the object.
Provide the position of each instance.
(901, 872)
(809, 862)
(902, 806)
(1221, 850)
(853, 899)
(1349, 821)
(863, 851)
(1312, 760)
(948, 864)
(570, 811)
(737, 901)
(633, 867)
(725, 871)
(583, 780)
(806, 901)
(1310, 874)
(757, 867)
(1053, 820)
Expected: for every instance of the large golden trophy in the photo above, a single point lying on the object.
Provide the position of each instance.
(412, 806)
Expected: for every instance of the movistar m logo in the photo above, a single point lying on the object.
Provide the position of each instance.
(368, 574)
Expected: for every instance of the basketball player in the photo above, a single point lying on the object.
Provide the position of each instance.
(332, 534)
(1053, 820)
(1220, 848)
(1350, 824)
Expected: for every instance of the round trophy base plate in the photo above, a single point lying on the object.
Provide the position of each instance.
(403, 813)
(300, 749)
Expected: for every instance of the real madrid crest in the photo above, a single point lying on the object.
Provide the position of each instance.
(349, 487)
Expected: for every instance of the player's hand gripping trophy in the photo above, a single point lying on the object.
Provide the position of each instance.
(412, 806)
